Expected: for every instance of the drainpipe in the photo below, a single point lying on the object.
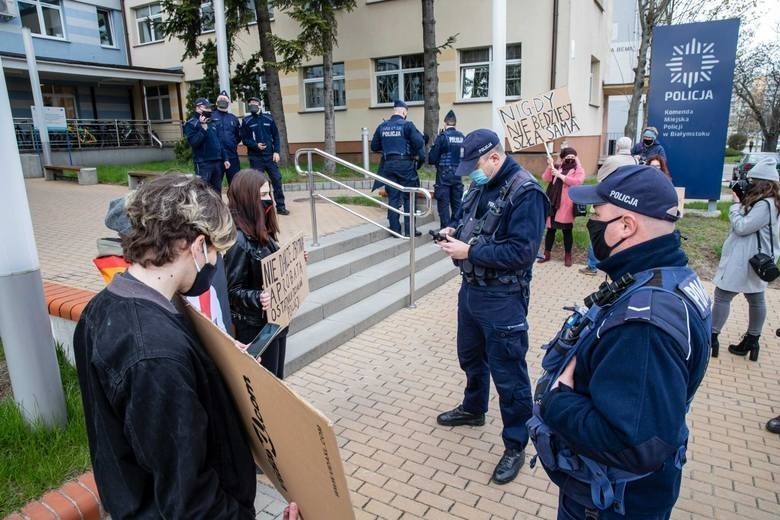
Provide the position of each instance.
(554, 46)
(127, 33)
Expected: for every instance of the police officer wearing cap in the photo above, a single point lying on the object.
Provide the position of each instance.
(609, 414)
(260, 135)
(403, 150)
(228, 127)
(445, 155)
(208, 154)
(498, 232)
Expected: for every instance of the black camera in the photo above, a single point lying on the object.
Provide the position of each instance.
(437, 237)
(207, 115)
(740, 187)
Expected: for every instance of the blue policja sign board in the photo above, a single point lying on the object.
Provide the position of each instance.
(691, 76)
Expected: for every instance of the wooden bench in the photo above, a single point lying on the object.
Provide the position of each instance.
(85, 175)
(136, 177)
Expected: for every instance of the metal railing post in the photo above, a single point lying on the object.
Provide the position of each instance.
(314, 241)
(78, 136)
(116, 131)
(412, 229)
(364, 136)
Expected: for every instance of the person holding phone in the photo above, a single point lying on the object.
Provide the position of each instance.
(208, 154)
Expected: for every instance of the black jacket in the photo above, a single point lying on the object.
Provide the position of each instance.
(164, 435)
(245, 279)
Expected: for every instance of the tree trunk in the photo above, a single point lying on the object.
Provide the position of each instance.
(330, 116)
(639, 78)
(273, 86)
(430, 74)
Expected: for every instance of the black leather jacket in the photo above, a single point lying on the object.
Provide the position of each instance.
(245, 278)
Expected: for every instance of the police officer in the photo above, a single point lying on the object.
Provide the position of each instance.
(403, 150)
(445, 155)
(648, 146)
(609, 421)
(228, 127)
(495, 243)
(261, 138)
(207, 152)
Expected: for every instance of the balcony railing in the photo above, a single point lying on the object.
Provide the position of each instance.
(99, 133)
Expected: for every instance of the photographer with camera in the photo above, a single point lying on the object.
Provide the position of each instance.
(499, 227)
(609, 415)
(754, 229)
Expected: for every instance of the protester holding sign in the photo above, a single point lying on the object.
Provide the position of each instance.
(165, 438)
(252, 208)
(561, 175)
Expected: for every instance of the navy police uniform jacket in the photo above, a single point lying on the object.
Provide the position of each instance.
(260, 128)
(633, 384)
(445, 155)
(205, 142)
(229, 130)
(519, 232)
(397, 138)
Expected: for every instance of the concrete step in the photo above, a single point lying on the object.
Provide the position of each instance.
(341, 281)
(327, 333)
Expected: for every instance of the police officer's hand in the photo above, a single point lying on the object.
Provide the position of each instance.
(276, 157)
(447, 231)
(454, 248)
(203, 120)
(261, 146)
(226, 164)
(291, 512)
(567, 376)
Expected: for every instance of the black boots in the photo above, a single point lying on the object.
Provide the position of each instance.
(715, 344)
(460, 417)
(748, 345)
(773, 425)
(509, 466)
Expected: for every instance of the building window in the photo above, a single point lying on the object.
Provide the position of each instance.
(399, 77)
(475, 72)
(105, 28)
(148, 20)
(206, 17)
(595, 81)
(314, 86)
(42, 17)
(158, 103)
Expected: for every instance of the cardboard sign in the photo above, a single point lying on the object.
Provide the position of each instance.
(539, 119)
(284, 278)
(291, 441)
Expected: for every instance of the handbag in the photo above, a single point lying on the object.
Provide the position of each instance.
(579, 210)
(762, 263)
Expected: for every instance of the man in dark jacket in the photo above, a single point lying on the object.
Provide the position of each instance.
(207, 152)
(445, 155)
(261, 138)
(403, 149)
(229, 130)
(648, 146)
(620, 403)
(498, 232)
(165, 438)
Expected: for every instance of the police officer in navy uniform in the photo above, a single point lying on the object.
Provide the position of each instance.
(445, 155)
(403, 150)
(228, 127)
(261, 138)
(207, 152)
(498, 233)
(609, 418)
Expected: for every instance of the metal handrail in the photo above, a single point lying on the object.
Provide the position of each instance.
(412, 213)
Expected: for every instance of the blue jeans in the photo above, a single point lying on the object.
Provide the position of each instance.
(591, 258)
(568, 509)
(493, 341)
(448, 200)
(211, 172)
(265, 163)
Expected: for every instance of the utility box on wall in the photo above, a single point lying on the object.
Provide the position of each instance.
(31, 165)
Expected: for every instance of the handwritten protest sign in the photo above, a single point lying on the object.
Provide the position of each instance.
(539, 119)
(285, 279)
(291, 441)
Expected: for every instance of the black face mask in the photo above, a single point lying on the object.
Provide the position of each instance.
(596, 230)
(568, 162)
(202, 281)
(267, 205)
(254, 109)
(222, 105)
(647, 142)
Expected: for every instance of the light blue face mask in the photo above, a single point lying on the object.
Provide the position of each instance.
(478, 177)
